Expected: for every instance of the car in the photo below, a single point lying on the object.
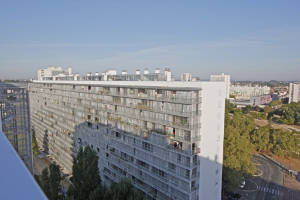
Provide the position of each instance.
(242, 183)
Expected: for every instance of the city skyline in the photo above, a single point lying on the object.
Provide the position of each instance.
(247, 40)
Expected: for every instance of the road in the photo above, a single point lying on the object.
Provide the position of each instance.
(269, 179)
(267, 183)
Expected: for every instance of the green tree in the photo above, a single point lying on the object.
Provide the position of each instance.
(231, 96)
(123, 190)
(247, 109)
(229, 106)
(86, 177)
(267, 109)
(257, 108)
(54, 181)
(45, 182)
(35, 150)
(38, 180)
(237, 149)
(50, 182)
(260, 138)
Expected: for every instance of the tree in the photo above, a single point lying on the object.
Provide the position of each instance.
(267, 109)
(123, 190)
(38, 180)
(237, 149)
(86, 177)
(45, 182)
(54, 181)
(35, 150)
(229, 106)
(232, 96)
(257, 108)
(247, 109)
(50, 182)
(260, 138)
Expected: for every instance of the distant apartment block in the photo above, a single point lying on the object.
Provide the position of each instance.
(294, 92)
(225, 78)
(165, 136)
(245, 92)
(186, 77)
(15, 117)
(53, 71)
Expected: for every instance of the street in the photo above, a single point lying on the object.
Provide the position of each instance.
(267, 183)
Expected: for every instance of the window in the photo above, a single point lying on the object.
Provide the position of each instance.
(172, 166)
(147, 146)
(178, 158)
(98, 149)
(158, 171)
(194, 171)
(217, 171)
(195, 159)
(218, 138)
(193, 184)
(143, 164)
(187, 173)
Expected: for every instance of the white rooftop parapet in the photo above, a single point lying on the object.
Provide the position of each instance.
(124, 72)
(137, 71)
(157, 71)
(146, 71)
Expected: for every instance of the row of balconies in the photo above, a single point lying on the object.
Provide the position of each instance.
(153, 108)
(141, 95)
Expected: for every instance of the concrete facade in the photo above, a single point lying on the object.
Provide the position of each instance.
(245, 92)
(294, 92)
(167, 137)
(225, 78)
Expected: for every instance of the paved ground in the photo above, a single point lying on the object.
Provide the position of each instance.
(271, 182)
(39, 164)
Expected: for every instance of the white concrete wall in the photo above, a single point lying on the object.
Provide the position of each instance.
(212, 129)
(225, 78)
(294, 92)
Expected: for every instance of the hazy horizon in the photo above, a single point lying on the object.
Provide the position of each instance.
(257, 41)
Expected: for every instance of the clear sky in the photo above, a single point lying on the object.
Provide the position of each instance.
(250, 40)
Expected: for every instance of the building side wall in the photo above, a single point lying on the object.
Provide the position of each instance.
(212, 134)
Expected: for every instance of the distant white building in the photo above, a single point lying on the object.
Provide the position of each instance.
(196, 79)
(225, 78)
(186, 77)
(245, 92)
(294, 93)
(52, 71)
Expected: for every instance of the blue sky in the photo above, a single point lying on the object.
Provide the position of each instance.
(250, 40)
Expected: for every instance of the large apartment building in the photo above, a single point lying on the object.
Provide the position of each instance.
(245, 91)
(294, 92)
(53, 71)
(15, 117)
(165, 136)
